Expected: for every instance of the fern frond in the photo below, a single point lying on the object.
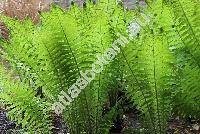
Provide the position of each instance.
(24, 108)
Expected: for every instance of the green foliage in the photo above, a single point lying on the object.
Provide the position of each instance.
(158, 70)
(185, 44)
(23, 106)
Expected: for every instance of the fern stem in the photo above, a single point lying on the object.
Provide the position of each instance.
(148, 107)
(155, 87)
(76, 63)
(97, 110)
(97, 121)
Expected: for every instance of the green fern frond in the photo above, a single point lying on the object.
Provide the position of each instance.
(24, 108)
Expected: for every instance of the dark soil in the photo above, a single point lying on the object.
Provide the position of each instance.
(130, 124)
(129, 121)
(5, 124)
(10, 127)
(183, 126)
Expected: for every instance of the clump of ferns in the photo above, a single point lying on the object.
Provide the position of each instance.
(150, 73)
(184, 41)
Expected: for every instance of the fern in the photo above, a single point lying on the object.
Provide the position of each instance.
(23, 106)
(158, 69)
(186, 30)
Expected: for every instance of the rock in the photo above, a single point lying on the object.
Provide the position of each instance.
(196, 127)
